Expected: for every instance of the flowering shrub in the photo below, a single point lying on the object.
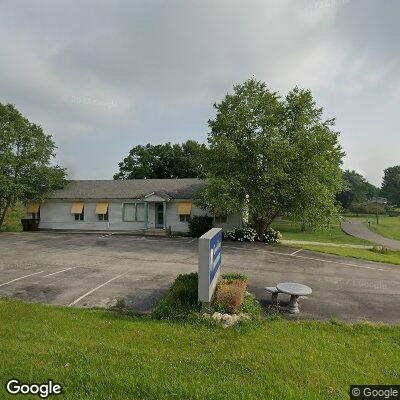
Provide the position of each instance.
(272, 236)
(245, 234)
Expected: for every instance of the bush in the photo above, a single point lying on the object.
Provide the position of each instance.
(234, 276)
(230, 293)
(230, 296)
(271, 236)
(245, 234)
(181, 300)
(380, 250)
(251, 306)
(199, 225)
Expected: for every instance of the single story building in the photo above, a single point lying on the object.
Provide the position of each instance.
(124, 205)
(376, 204)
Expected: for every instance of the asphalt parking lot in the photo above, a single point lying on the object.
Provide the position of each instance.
(93, 270)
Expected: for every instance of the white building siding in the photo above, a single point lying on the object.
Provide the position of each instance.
(56, 214)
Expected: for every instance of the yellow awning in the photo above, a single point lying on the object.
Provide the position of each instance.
(184, 207)
(101, 208)
(33, 208)
(77, 208)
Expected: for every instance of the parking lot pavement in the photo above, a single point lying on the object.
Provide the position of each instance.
(92, 270)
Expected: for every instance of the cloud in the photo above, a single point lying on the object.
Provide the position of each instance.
(104, 76)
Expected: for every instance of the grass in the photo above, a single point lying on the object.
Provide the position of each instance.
(333, 234)
(12, 221)
(393, 257)
(95, 354)
(388, 226)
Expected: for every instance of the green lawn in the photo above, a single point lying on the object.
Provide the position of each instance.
(94, 354)
(388, 226)
(292, 231)
(364, 254)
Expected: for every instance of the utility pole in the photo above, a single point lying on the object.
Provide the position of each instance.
(376, 209)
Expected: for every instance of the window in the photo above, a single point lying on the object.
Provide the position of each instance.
(103, 217)
(133, 212)
(34, 210)
(140, 212)
(78, 211)
(220, 219)
(184, 217)
(35, 215)
(102, 211)
(81, 216)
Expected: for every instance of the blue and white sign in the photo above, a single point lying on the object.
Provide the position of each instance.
(210, 252)
(215, 254)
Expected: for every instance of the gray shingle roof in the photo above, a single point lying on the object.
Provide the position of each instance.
(129, 189)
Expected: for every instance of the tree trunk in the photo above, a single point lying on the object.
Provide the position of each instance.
(260, 226)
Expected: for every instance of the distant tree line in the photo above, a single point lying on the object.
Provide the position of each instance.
(359, 190)
(164, 161)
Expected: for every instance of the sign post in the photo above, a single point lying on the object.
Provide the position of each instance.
(209, 264)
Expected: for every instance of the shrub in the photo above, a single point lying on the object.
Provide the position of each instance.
(271, 236)
(245, 234)
(234, 276)
(181, 300)
(230, 293)
(251, 306)
(120, 304)
(230, 296)
(380, 250)
(199, 225)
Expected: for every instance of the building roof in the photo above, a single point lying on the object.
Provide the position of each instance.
(129, 189)
(379, 200)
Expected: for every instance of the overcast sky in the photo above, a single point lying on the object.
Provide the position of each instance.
(103, 76)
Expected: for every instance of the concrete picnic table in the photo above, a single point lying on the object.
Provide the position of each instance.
(295, 290)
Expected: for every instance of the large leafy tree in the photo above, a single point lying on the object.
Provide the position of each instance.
(391, 184)
(167, 160)
(273, 155)
(25, 155)
(357, 191)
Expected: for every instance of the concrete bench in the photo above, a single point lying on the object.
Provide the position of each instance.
(274, 292)
(295, 290)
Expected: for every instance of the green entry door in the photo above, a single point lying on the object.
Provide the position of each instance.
(159, 215)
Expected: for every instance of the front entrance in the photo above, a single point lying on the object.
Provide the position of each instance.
(159, 222)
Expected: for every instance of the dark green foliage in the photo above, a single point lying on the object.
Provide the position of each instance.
(391, 185)
(251, 306)
(358, 190)
(272, 155)
(164, 161)
(26, 152)
(235, 276)
(182, 299)
(199, 225)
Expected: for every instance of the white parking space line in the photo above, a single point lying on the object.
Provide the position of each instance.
(344, 264)
(295, 252)
(294, 255)
(96, 288)
(59, 272)
(21, 277)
